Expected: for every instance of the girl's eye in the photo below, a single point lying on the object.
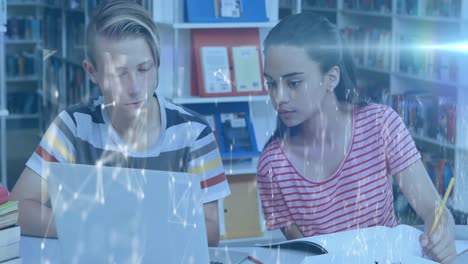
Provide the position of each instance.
(294, 84)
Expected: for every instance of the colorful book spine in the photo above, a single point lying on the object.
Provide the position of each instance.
(370, 47)
(322, 3)
(23, 28)
(439, 168)
(52, 31)
(433, 64)
(428, 115)
(446, 8)
(380, 6)
(21, 64)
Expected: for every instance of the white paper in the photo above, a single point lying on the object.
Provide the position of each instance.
(226, 255)
(215, 65)
(461, 246)
(346, 259)
(230, 8)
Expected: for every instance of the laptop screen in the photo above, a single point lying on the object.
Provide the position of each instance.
(108, 214)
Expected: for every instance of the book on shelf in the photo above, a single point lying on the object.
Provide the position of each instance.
(209, 11)
(76, 82)
(370, 47)
(432, 64)
(380, 6)
(24, 28)
(446, 8)
(22, 102)
(52, 82)
(21, 64)
(219, 57)
(247, 73)
(235, 132)
(232, 126)
(52, 30)
(428, 115)
(228, 8)
(321, 3)
(75, 38)
(440, 170)
(216, 73)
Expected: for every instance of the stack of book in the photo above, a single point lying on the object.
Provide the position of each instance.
(9, 230)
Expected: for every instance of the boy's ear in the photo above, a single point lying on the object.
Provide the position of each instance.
(90, 70)
(333, 77)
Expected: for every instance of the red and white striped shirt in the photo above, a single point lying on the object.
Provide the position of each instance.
(359, 194)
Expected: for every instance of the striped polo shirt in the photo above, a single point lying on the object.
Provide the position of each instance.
(358, 195)
(83, 134)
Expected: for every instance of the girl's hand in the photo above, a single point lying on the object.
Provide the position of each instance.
(440, 246)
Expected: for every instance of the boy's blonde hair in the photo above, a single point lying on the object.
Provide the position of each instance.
(120, 19)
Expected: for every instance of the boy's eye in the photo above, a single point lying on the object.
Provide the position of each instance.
(270, 85)
(121, 74)
(146, 68)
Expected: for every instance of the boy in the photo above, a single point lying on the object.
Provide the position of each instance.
(130, 125)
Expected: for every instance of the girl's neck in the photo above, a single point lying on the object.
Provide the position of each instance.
(330, 122)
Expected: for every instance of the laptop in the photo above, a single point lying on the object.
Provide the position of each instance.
(121, 215)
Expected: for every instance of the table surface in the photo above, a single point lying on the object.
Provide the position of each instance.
(39, 250)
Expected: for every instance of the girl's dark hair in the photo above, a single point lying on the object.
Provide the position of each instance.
(323, 43)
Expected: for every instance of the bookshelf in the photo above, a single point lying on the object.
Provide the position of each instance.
(64, 80)
(176, 70)
(176, 74)
(22, 46)
(3, 109)
(21, 81)
(421, 58)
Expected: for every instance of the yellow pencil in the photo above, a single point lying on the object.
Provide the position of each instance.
(442, 205)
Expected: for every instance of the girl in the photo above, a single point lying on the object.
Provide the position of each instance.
(330, 164)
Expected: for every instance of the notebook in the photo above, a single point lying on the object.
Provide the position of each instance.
(107, 215)
(374, 245)
(379, 243)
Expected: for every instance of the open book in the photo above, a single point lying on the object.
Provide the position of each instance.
(377, 244)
